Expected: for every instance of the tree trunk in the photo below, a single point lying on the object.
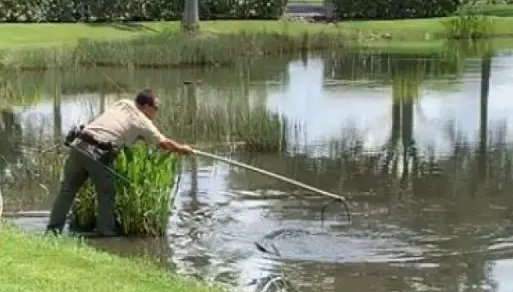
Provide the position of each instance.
(192, 107)
(328, 6)
(1, 203)
(57, 117)
(190, 17)
(483, 128)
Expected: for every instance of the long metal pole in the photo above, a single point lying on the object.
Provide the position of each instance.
(273, 175)
(342, 199)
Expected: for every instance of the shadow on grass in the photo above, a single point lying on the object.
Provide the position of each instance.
(126, 26)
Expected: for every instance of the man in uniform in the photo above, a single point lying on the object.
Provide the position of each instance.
(93, 152)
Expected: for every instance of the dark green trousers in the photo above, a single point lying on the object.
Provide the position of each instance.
(80, 165)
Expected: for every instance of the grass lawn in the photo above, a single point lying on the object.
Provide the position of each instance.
(30, 262)
(418, 29)
(409, 33)
(47, 34)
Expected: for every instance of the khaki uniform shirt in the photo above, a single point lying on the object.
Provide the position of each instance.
(123, 123)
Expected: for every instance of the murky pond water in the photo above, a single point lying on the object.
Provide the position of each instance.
(419, 144)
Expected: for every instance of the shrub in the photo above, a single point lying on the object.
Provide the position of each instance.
(134, 10)
(467, 24)
(393, 9)
(143, 205)
(468, 27)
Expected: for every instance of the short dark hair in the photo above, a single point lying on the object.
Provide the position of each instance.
(145, 97)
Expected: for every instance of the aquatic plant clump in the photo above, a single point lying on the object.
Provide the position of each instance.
(146, 183)
(469, 26)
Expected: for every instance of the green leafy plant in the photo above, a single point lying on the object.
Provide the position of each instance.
(143, 205)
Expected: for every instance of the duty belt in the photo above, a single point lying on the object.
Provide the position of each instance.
(107, 146)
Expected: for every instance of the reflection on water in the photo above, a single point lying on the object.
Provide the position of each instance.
(421, 146)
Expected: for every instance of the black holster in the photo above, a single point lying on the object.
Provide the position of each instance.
(105, 156)
(103, 152)
(72, 134)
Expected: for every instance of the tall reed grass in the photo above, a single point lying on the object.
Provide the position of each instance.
(30, 166)
(143, 206)
(171, 49)
(260, 129)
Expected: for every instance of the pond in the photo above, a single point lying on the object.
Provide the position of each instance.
(420, 144)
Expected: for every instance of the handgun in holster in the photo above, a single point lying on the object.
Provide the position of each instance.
(72, 135)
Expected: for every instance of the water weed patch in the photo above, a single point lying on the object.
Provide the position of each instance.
(146, 181)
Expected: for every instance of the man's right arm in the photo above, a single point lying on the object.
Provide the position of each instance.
(152, 135)
(171, 145)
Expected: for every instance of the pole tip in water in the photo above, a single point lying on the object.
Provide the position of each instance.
(261, 248)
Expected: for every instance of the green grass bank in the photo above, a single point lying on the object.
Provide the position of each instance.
(411, 30)
(30, 262)
(160, 44)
